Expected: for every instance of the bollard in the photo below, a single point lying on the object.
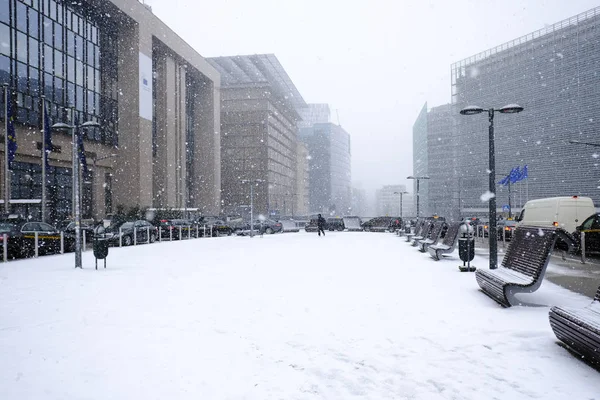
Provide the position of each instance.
(160, 233)
(62, 243)
(134, 236)
(197, 232)
(36, 235)
(147, 234)
(204, 228)
(170, 234)
(4, 247)
(189, 228)
(84, 241)
(180, 236)
(211, 231)
(583, 247)
(503, 237)
(120, 237)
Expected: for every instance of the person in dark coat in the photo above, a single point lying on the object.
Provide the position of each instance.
(321, 225)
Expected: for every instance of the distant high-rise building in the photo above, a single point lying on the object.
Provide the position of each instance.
(329, 168)
(360, 204)
(259, 115)
(387, 200)
(314, 114)
(301, 207)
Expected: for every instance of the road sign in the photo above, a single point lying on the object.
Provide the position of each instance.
(505, 208)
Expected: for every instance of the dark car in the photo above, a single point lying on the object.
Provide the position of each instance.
(591, 228)
(312, 225)
(505, 229)
(21, 238)
(335, 224)
(172, 229)
(214, 226)
(129, 232)
(267, 226)
(395, 223)
(68, 230)
(377, 224)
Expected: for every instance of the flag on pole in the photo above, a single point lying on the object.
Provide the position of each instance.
(47, 137)
(524, 173)
(80, 148)
(11, 137)
(514, 175)
(504, 181)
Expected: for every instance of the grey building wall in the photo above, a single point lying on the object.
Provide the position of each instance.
(421, 161)
(553, 74)
(329, 168)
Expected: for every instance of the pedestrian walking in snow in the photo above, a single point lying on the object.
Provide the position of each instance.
(321, 225)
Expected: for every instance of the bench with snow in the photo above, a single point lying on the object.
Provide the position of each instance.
(579, 329)
(448, 243)
(427, 227)
(523, 266)
(434, 235)
(417, 231)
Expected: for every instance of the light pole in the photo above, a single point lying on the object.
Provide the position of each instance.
(493, 234)
(585, 143)
(61, 126)
(252, 182)
(400, 193)
(417, 178)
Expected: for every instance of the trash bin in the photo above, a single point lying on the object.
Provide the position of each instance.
(466, 247)
(100, 250)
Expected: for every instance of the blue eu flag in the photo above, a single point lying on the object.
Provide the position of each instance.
(11, 135)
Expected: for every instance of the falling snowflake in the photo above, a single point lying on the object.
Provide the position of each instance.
(487, 196)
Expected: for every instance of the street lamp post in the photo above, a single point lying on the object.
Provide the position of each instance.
(252, 182)
(417, 178)
(400, 193)
(61, 126)
(493, 234)
(585, 143)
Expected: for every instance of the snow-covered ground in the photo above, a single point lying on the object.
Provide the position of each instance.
(292, 316)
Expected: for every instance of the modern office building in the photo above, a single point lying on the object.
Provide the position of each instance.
(553, 74)
(387, 200)
(113, 62)
(259, 118)
(360, 204)
(433, 136)
(302, 204)
(314, 114)
(329, 168)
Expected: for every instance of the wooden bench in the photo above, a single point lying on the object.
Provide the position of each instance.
(447, 244)
(424, 233)
(523, 266)
(417, 232)
(579, 329)
(432, 237)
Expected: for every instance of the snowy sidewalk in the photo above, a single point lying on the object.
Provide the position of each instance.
(292, 316)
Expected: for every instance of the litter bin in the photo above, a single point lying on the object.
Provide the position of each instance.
(100, 250)
(466, 248)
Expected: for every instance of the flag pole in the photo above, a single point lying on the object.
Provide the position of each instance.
(44, 158)
(6, 170)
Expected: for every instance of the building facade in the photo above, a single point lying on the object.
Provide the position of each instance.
(259, 115)
(302, 205)
(329, 168)
(553, 74)
(388, 200)
(314, 114)
(421, 161)
(115, 63)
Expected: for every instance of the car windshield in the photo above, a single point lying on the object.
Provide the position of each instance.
(4, 228)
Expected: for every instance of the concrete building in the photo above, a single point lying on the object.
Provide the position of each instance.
(388, 202)
(329, 168)
(435, 156)
(302, 204)
(360, 203)
(259, 117)
(553, 74)
(114, 62)
(314, 114)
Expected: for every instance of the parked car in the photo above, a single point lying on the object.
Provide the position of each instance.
(124, 233)
(352, 223)
(217, 226)
(505, 229)
(377, 224)
(312, 225)
(267, 226)
(171, 228)
(21, 237)
(591, 228)
(68, 231)
(566, 212)
(335, 224)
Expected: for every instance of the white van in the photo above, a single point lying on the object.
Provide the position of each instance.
(564, 212)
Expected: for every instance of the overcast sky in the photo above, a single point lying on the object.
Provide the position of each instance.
(376, 62)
